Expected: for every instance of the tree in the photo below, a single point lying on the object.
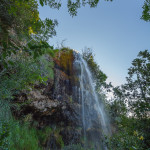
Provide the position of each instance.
(21, 29)
(20, 20)
(146, 11)
(72, 5)
(132, 129)
(138, 85)
(98, 75)
(20, 23)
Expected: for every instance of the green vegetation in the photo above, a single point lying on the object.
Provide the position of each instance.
(131, 106)
(98, 75)
(146, 10)
(16, 136)
(71, 4)
(22, 137)
(26, 60)
(22, 71)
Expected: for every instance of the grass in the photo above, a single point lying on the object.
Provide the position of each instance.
(23, 137)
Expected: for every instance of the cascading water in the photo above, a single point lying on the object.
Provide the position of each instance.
(94, 119)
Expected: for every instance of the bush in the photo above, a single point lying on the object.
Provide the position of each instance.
(22, 137)
(128, 135)
(21, 72)
(4, 134)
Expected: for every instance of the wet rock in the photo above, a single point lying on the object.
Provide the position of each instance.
(94, 136)
(47, 111)
(71, 135)
(53, 143)
(62, 86)
(20, 98)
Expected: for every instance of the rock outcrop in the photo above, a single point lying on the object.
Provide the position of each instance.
(53, 104)
(61, 104)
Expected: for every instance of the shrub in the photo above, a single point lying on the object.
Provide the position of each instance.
(22, 137)
(22, 71)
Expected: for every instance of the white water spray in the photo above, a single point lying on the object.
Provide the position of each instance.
(93, 114)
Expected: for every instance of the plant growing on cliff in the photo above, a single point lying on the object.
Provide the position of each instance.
(22, 72)
(23, 137)
(97, 73)
(20, 22)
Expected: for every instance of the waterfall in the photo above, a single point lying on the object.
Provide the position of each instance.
(94, 119)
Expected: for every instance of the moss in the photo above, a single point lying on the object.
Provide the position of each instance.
(64, 59)
(59, 140)
(44, 134)
(76, 79)
(65, 49)
(58, 137)
(70, 98)
(28, 118)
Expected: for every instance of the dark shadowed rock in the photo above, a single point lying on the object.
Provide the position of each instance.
(71, 135)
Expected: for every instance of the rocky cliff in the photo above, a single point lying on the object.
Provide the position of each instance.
(57, 105)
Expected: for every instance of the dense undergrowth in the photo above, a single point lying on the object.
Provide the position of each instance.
(21, 74)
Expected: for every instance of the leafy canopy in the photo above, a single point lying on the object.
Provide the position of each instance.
(72, 5)
(138, 85)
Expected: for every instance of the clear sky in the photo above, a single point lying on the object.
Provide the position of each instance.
(113, 30)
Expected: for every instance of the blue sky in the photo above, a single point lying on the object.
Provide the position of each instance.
(113, 30)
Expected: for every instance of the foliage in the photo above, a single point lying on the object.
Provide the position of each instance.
(98, 75)
(72, 5)
(22, 71)
(43, 135)
(117, 105)
(129, 135)
(4, 134)
(146, 11)
(22, 137)
(138, 85)
(123, 140)
(130, 108)
(76, 147)
(15, 136)
(117, 108)
(25, 59)
(20, 24)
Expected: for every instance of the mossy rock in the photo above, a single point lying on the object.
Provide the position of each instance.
(64, 59)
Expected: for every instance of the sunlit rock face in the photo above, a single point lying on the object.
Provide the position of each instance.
(68, 102)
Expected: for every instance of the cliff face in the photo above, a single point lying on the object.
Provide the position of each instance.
(65, 104)
(53, 104)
